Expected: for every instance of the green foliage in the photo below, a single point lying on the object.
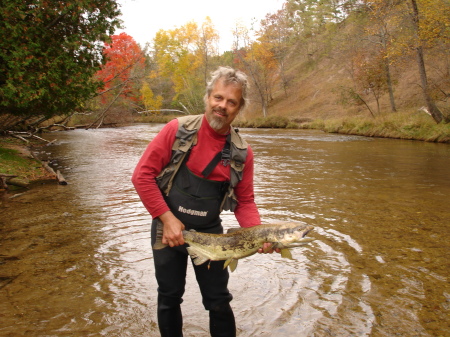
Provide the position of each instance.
(49, 51)
(11, 162)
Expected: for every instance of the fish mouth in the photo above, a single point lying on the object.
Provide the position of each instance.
(306, 231)
(301, 242)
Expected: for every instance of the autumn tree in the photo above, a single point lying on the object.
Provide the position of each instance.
(183, 54)
(121, 74)
(151, 102)
(380, 31)
(275, 34)
(250, 56)
(124, 65)
(49, 52)
(416, 26)
(370, 77)
(208, 39)
(426, 34)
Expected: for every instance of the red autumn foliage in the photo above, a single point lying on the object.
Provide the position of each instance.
(125, 62)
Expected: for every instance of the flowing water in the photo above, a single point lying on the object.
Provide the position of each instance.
(75, 260)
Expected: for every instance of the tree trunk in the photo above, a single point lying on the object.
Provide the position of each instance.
(432, 108)
(257, 83)
(389, 84)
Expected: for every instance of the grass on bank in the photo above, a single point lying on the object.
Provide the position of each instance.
(395, 125)
(400, 125)
(12, 161)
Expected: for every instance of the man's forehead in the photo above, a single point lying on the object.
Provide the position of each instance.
(223, 82)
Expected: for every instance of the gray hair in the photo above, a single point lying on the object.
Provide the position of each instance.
(229, 75)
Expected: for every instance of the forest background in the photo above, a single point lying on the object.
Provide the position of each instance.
(370, 67)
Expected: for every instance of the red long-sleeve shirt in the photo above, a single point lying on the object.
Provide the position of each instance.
(158, 154)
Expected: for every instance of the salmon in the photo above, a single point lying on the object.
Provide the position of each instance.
(238, 243)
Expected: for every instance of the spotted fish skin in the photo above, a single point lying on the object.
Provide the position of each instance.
(241, 242)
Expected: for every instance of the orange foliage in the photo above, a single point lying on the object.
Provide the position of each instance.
(125, 59)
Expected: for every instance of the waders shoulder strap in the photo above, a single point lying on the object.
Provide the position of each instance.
(223, 155)
(185, 138)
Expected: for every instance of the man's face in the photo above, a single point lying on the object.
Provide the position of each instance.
(223, 105)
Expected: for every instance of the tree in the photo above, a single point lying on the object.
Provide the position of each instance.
(121, 74)
(208, 39)
(183, 54)
(383, 16)
(413, 25)
(310, 17)
(421, 38)
(49, 52)
(370, 77)
(148, 97)
(275, 34)
(124, 65)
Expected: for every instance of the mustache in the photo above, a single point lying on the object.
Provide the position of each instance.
(220, 110)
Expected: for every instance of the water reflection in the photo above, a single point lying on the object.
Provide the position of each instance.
(379, 266)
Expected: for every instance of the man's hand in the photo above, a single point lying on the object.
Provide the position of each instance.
(267, 248)
(172, 228)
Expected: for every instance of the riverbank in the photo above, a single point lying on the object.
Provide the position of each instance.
(397, 126)
(411, 126)
(16, 158)
(18, 164)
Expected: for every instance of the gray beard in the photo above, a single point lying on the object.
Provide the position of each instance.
(216, 123)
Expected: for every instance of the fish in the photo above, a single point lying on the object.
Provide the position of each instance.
(238, 243)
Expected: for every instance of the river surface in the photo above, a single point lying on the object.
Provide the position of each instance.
(75, 260)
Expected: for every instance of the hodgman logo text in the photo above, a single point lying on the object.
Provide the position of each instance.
(192, 212)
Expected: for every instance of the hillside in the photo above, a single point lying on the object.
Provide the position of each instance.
(317, 82)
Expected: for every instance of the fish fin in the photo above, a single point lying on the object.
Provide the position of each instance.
(159, 234)
(227, 262)
(286, 253)
(231, 263)
(196, 256)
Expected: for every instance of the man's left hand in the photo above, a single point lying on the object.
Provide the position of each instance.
(267, 249)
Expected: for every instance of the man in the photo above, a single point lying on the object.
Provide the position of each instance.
(215, 173)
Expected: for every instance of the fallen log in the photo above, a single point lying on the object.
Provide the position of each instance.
(58, 175)
(60, 178)
(20, 137)
(48, 168)
(4, 175)
(17, 182)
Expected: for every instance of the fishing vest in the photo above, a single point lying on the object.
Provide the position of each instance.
(186, 137)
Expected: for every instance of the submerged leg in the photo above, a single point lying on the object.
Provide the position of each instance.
(213, 282)
(170, 272)
(221, 321)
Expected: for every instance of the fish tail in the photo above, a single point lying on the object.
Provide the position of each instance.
(159, 234)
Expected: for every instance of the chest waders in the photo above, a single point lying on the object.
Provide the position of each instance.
(197, 201)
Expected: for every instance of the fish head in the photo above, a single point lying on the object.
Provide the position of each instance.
(293, 235)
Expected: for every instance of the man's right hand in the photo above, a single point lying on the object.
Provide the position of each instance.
(172, 230)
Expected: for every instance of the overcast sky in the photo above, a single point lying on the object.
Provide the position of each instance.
(143, 18)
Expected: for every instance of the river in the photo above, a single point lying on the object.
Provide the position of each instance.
(75, 260)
